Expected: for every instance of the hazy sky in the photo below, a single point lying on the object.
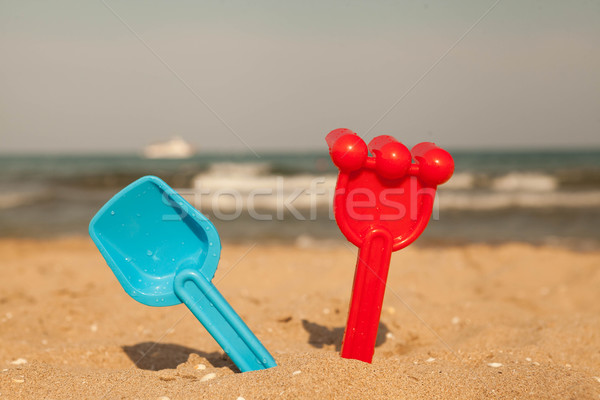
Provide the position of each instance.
(281, 74)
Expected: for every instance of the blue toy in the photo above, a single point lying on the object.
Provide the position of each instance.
(165, 252)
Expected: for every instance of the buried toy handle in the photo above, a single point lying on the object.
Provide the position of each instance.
(221, 321)
(367, 295)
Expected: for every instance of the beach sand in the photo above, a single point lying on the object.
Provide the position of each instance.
(512, 321)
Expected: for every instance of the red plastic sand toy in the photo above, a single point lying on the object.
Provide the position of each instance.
(382, 203)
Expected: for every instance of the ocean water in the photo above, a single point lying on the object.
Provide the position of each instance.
(543, 197)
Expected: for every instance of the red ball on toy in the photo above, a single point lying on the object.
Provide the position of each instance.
(392, 158)
(348, 151)
(436, 165)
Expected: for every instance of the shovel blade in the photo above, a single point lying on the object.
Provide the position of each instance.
(147, 232)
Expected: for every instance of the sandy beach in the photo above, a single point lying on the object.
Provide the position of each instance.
(513, 321)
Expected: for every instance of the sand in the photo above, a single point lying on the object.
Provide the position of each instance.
(511, 322)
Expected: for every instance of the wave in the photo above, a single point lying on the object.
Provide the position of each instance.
(461, 181)
(528, 181)
(251, 184)
(525, 182)
(247, 176)
(505, 200)
(19, 198)
(231, 187)
(510, 182)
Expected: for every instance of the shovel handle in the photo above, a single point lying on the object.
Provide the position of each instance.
(372, 269)
(221, 321)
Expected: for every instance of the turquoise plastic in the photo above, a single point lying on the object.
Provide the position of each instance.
(165, 252)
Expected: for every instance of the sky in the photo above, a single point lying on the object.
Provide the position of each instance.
(106, 76)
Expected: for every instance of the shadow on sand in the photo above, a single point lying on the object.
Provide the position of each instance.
(321, 335)
(155, 356)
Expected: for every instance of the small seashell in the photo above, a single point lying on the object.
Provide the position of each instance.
(200, 366)
(430, 359)
(208, 377)
(296, 372)
(495, 365)
(18, 380)
(528, 359)
(19, 361)
(597, 378)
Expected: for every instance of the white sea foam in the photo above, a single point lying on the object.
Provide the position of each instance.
(525, 182)
(230, 169)
(18, 198)
(234, 186)
(230, 187)
(511, 182)
(503, 200)
(461, 181)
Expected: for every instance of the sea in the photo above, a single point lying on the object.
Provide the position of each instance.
(538, 197)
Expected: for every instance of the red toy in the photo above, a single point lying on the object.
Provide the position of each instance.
(382, 203)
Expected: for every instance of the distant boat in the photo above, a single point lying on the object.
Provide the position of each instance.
(176, 147)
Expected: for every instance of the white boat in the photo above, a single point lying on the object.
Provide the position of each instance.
(176, 147)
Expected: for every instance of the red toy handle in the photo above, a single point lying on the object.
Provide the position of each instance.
(367, 295)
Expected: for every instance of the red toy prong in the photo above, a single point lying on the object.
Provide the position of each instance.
(436, 165)
(367, 295)
(348, 151)
(392, 158)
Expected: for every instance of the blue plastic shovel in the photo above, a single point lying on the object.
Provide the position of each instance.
(165, 252)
